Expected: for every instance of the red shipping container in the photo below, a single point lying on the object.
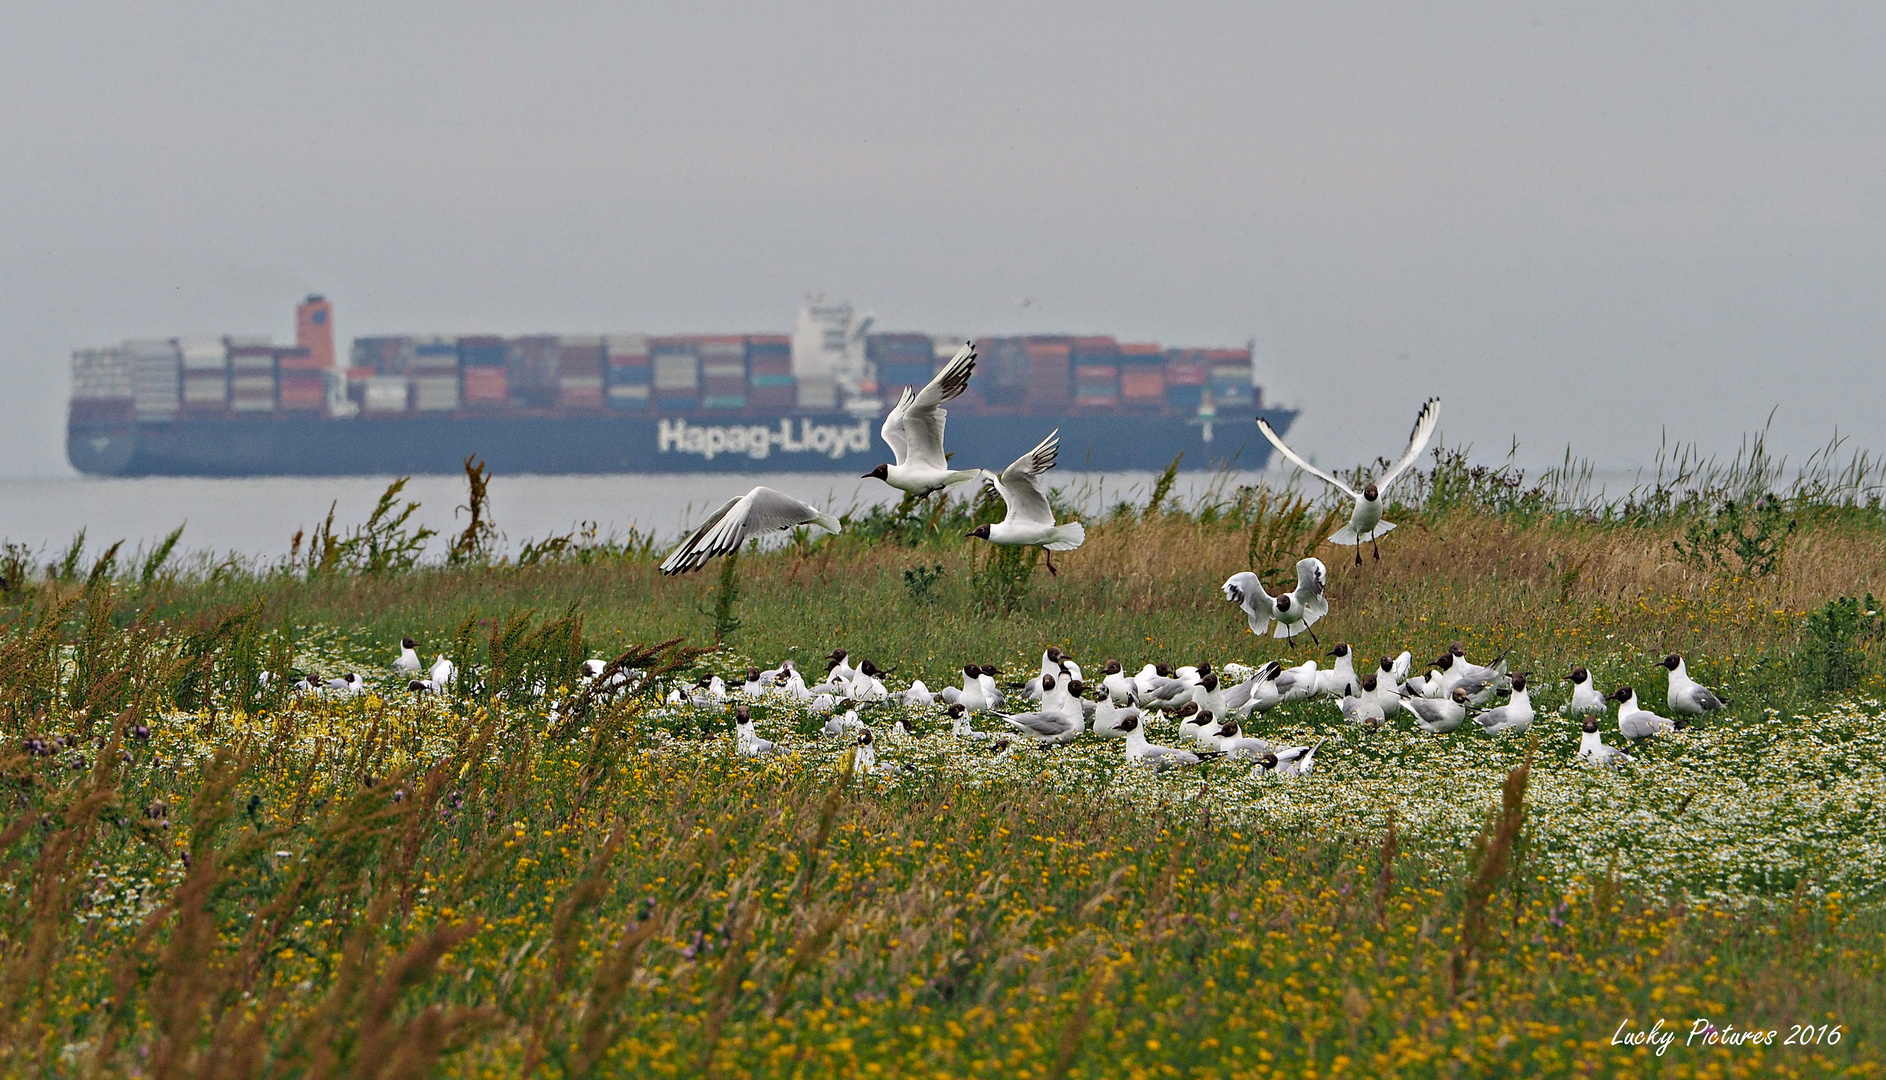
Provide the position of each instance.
(1185, 373)
(485, 386)
(302, 390)
(1148, 383)
(297, 360)
(579, 359)
(580, 397)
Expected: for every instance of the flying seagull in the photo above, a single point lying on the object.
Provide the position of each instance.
(1365, 521)
(761, 510)
(914, 430)
(1030, 520)
(1293, 612)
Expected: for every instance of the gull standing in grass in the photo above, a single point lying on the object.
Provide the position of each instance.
(1365, 521)
(1437, 716)
(1118, 684)
(1515, 715)
(1340, 679)
(1029, 521)
(1141, 752)
(1593, 749)
(1109, 717)
(1637, 722)
(1234, 744)
(1293, 612)
(1687, 696)
(408, 662)
(1051, 724)
(1364, 708)
(914, 431)
(761, 510)
(1292, 760)
(1586, 700)
(747, 742)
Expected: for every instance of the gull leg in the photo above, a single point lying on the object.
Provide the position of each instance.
(1374, 547)
(1358, 554)
(1051, 570)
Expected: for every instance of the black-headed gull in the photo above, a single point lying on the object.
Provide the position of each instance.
(1515, 715)
(443, 671)
(1294, 611)
(747, 742)
(1109, 716)
(864, 760)
(1292, 760)
(1687, 696)
(1586, 700)
(914, 431)
(1364, 708)
(1029, 521)
(1234, 744)
(761, 510)
(1141, 752)
(1437, 716)
(1593, 749)
(1340, 679)
(1365, 521)
(1119, 685)
(408, 661)
(1054, 723)
(1637, 722)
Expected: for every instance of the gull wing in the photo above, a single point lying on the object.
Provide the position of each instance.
(1044, 724)
(893, 430)
(1312, 576)
(761, 510)
(923, 414)
(1019, 487)
(1263, 425)
(1247, 591)
(1425, 422)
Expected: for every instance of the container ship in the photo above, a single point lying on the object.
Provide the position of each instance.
(808, 401)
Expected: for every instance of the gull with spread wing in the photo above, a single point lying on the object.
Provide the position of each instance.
(1293, 612)
(761, 510)
(1365, 521)
(1030, 520)
(914, 431)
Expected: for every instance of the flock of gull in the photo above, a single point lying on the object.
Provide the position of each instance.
(1058, 704)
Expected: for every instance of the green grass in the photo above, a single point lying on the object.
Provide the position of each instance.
(206, 875)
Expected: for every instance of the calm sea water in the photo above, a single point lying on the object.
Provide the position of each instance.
(258, 517)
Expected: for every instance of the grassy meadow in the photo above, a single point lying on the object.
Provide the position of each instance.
(207, 874)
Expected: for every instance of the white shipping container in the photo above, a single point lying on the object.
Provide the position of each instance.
(252, 384)
(626, 345)
(102, 375)
(628, 393)
(203, 354)
(386, 393)
(253, 403)
(154, 383)
(205, 389)
(253, 363)
(818, 392)
(580, 382)
(721, 350)
(580, 341)
(435, 393)
(677, 372)
(723, 369)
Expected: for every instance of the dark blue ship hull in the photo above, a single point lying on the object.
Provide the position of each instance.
(513, 444)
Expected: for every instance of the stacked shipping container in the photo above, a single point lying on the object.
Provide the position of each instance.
(251, 377)
(769, 371)
(433, 371)
(205, 364)
(677, 374)
(481, 361)
(723, 371)
(626, 356)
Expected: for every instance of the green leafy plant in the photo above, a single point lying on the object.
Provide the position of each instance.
(1831, 659)
(1003, 578)
(725, 598)
(474, 544)
(1746, 538)
(920, 579)
(153, 565)
(383, 544)
(1163, 486)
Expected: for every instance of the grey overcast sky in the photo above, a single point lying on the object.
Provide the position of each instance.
(1580, 223)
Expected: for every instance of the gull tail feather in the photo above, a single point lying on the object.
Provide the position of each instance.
(1067, 537)
(1348, 536)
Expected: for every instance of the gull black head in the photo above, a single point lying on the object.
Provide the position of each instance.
(1203, 667)
(1444, 661)
(1047, 682)
(1229, 728)
(1055, 655)
(1591, 724)
(980, 532)
(1112, 668)
(864, 737)
(1340, 650)
(1387, 664)
(1128, 723)
(955, 710)
(1671, 661)
(1579, 676)
(1622, 694)
(742, 715)
(418, 686)
(753, 674)
(1209, 682)
(1162, 671)
(870, 669)
(971, 670)
(1519, 682)
(1077, 688)
(1371, 493)
(1204, 717)
(991, 670)
(408, 643)
(1188, 709)
(1269, 761)
(1459, 695)
(837, 655)
(1457, 649)
(1369, 683)
(1284, 602)
(882, 472)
